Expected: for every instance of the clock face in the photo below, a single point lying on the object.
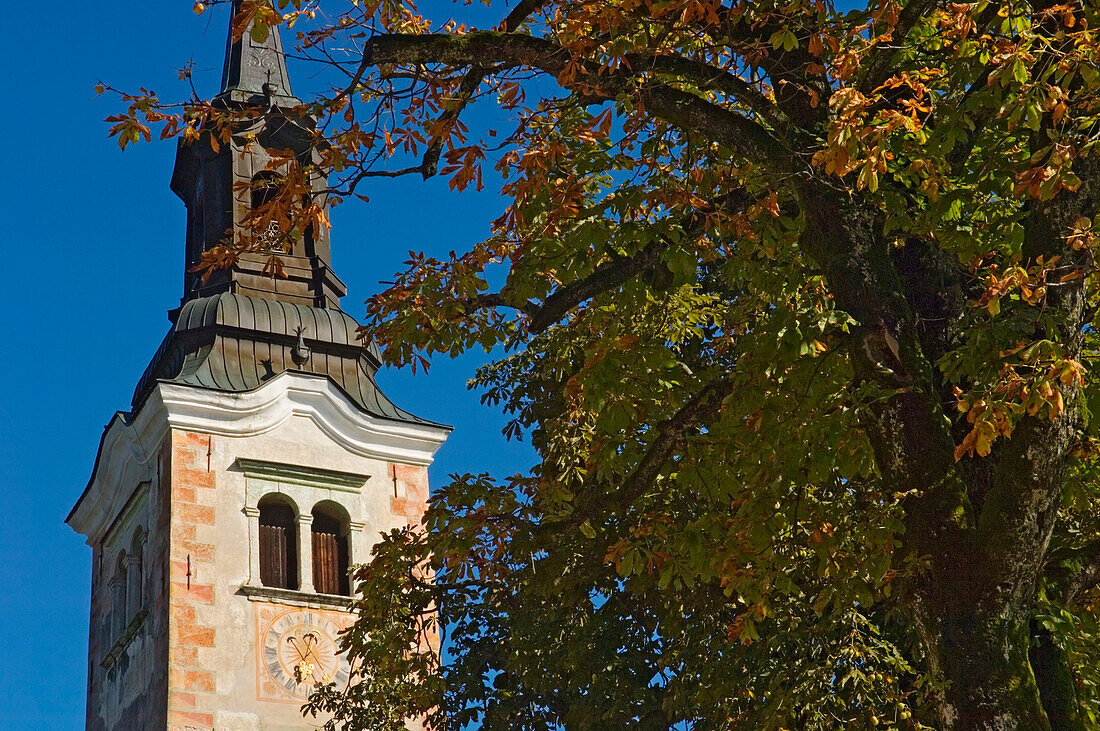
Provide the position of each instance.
(298, 650)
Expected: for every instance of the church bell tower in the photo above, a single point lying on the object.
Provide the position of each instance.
(258, 461)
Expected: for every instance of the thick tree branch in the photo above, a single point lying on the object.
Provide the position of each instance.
(1021, 510)
(702, 408)
(709, 77)
(612, 274)
(1077, 570)
(496, 299)
(429, 165)
(908, 431)
(605, 277)
(520, 14)
(697, 412)
(1088, 578)
(1055, 678)
(801, 93)
(742, 135)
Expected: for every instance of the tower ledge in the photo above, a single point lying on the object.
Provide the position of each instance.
(127, 450)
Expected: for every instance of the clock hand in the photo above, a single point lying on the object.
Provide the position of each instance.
(304, 668)
(310, 640)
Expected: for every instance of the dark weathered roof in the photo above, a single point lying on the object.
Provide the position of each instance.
(250, 64)
(230, 342)
(330, 326)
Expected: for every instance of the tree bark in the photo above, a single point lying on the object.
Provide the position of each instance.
(983, 546)
(979, 647)
(1054, 677)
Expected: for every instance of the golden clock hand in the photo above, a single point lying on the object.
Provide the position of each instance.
(310, 640)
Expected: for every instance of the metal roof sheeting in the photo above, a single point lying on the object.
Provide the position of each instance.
(271, 316)
(230, 342)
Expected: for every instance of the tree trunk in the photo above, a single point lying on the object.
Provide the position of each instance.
(983, 657)
(1055, 679)
(982, 534)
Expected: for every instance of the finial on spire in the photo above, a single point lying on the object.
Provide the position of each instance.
(256, 71)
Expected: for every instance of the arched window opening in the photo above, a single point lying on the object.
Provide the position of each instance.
(330, 550)
(119, 620)
(196, 229)
(278, 544)
(309, 241)
(265, 189)
(135, 572)
(310, 234)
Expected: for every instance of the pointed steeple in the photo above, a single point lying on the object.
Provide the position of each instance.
(251, 64)
(242, 325)
(222, 182)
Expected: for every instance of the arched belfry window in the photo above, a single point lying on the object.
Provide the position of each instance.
(330, 549)
(278, 543)
(265, 188)
(196, 229)
(119, 618)
(135, 575)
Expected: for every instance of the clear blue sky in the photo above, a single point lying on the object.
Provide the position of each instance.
(94, 247)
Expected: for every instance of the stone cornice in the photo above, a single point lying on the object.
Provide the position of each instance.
(290, 394)
(295, 598)
(127, 452)
(126, 459)
(308, 476)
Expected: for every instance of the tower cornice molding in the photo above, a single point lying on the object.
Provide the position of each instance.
(285, 396)
(127, 452)
(126, 457)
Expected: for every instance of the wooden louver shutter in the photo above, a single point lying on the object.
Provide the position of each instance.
(326, 563)
(273, 556)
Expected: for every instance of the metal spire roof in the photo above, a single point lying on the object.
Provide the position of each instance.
(245, 326)
(234, 343)
(251, 62)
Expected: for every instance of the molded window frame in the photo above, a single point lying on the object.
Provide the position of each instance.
(336, 492)
(279, 513)
(331, 536)
(123, 593)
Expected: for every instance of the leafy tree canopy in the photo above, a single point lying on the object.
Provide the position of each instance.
(798, 305)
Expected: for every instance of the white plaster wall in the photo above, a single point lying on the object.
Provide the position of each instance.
(297, 442)
(297, 420)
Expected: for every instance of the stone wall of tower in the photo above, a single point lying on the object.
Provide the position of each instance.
(223, 625)
(203, 644)
(127, 667)
(192, 621)
(410, 493)
(216, 677)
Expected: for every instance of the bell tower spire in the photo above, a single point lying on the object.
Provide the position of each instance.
(223, 183)
(259, 461)
(255, 66)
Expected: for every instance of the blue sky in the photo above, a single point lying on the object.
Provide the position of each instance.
(94, 244)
